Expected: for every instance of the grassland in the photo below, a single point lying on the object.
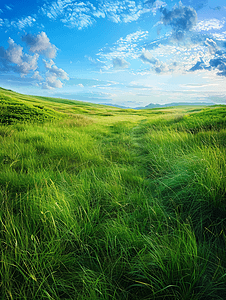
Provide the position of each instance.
(105, 203)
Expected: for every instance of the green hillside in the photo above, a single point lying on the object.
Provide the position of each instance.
(99, 202)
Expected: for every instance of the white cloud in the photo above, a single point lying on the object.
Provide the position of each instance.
(54, 70)
(120, 63)
(13, 59)
(52, 75)
(78, 15)
(177, 58)
(37, 76)
(127, 47)
(147, 57)
(220, 36)
(212, 45)
(80, 85)
(52, 82)
(157, 5)
(84, 14)
(40, 44)
(72, 14)
(14, 53)
(207, 25)
(18, 23)
(122, 11)
(23, 22)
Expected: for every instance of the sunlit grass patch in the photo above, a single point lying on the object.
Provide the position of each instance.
(207, 119)
(75, 121)
(13, 111)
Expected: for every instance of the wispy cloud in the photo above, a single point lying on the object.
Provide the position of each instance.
(120, 63)
(154, 6)
(220, 36)
(23, 22)
(18, 23)
(84, 14)
(8, 7)
(147, 57)
(122, 11)
(128, 47)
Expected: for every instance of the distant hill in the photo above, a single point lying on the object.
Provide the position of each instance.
(152, 105)
(115, 105)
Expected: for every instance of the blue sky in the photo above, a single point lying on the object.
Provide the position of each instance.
(128, 52)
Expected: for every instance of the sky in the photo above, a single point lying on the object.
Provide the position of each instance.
(129, 52)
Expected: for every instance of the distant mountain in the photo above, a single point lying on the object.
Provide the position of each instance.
(115, 105)
(152, 105)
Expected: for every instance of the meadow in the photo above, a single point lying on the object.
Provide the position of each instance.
(101, 203)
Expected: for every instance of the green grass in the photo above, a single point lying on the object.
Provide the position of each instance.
(105, 203)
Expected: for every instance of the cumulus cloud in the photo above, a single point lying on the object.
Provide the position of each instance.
(52, 82)
(120, 63)
(52, 76)
(182, 19)
(40, 44)
(54, 70)
(13, 59)
(37, 76)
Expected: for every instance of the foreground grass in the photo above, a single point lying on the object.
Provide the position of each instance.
(105, 203)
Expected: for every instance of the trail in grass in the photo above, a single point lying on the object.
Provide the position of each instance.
(100, 208)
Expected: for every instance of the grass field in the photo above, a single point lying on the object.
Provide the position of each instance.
(105, 203)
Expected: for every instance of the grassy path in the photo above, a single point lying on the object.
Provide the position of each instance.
(93, 207)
